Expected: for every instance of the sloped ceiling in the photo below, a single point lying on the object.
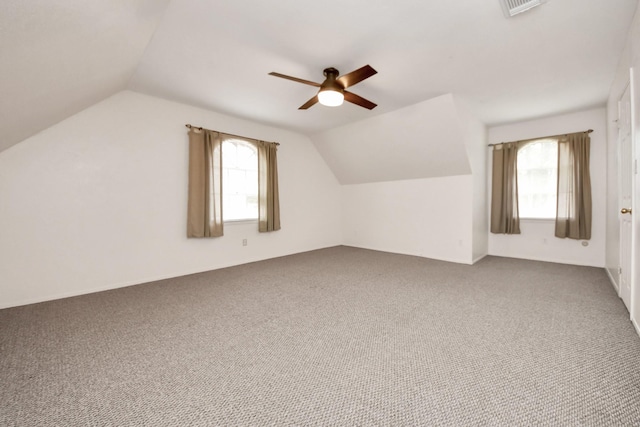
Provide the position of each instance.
(60, 56)
(423, 140)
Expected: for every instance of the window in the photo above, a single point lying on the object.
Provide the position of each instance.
(239, 180)
(537, 179)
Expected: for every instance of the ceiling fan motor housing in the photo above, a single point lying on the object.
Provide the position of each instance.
(330, 83)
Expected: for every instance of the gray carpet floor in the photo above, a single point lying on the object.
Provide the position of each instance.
(335, 337)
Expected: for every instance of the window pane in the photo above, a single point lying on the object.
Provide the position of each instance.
(245, 158)
(240, 182)
(235, 182)
(229, 155)
(252, 182)
(537, 179)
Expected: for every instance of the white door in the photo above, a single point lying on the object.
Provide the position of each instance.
(635, 252)
(626, 163)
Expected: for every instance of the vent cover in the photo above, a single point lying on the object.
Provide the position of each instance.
(514, 7)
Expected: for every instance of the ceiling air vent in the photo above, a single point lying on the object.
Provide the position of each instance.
(514, 7)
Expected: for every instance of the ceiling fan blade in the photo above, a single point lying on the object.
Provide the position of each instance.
(295, 79)
(356, 76)
(358, 100)
(309, 103)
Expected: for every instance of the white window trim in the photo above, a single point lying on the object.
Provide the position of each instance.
(240, 221)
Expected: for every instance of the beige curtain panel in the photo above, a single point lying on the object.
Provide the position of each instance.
(573, 217)
(268, 197)
(204, 213)
(504, 191)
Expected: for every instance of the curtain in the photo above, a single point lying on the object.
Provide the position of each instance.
(573, 216)
(268, 198)
(204, 213)
(504, 191)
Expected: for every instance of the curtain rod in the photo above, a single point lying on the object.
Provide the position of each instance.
(230, 134)
(541, 137)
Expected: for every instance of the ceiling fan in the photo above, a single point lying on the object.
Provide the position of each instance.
(333, 90)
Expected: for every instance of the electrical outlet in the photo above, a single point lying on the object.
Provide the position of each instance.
(244, 242)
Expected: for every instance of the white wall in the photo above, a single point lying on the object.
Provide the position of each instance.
(429, 217)
(98, 201)
(537, 240)
(475, 137)
(439, 210)
(612, 244)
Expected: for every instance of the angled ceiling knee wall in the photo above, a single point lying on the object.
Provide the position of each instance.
(424, 140)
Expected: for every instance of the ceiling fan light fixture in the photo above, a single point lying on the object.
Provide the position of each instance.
(330, 97)
(332, 91)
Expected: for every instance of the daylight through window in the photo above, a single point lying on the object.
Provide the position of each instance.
(239, 180)
(537, 179)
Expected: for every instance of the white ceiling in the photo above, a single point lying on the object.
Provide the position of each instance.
(60, 56)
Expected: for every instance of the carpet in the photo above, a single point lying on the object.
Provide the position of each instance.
(335, 337)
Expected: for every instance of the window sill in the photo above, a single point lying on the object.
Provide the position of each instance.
(538, 219)
(240, 221)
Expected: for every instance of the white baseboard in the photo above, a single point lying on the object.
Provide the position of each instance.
(96, 289)
(613, 281)
(140, 281)
(402, 252)
(555, 260)
(479, 258)
(636, 326)
(616, 286)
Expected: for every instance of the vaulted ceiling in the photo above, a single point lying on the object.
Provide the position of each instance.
(58, 57)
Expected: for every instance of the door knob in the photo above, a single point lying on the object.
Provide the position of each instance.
(625, 211)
